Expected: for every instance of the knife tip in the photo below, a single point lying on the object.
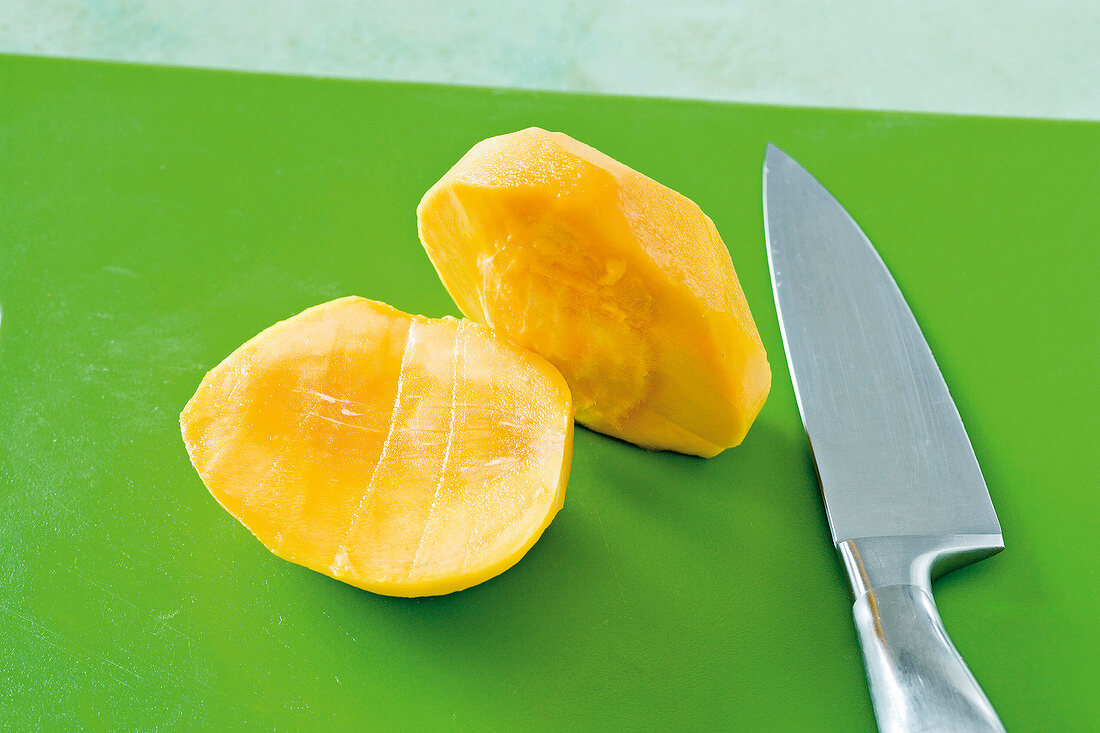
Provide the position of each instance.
(772, 152)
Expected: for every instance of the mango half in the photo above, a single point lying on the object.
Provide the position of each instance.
(409, 456)
(620, 282)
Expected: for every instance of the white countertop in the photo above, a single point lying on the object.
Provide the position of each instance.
(1031, 58)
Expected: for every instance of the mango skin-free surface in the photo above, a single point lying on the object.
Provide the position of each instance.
(405, 455)
(619, 281)
(152, 220)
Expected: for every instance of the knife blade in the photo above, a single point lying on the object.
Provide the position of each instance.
(903, 492)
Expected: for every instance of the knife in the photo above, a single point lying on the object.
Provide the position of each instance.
(903, 492)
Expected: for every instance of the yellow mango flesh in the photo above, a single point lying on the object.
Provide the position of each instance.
(621, 283)
(404, 455)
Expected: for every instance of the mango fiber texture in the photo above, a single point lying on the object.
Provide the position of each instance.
(621, 283)
(405, 455)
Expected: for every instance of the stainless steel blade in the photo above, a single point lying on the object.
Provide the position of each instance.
(890, 448)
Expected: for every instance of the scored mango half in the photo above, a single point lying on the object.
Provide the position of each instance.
(405, 455)
(621, 283)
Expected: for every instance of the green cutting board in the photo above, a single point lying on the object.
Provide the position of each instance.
(152, 219)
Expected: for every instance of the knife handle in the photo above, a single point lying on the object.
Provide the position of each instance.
(918, 680)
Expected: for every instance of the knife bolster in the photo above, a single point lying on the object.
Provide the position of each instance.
(877, 562)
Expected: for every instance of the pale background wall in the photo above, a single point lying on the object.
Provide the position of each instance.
(1026, 58)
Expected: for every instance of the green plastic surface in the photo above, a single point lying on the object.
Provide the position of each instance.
(152, 219)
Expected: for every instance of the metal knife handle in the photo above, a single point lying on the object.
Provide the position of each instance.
(918, 680)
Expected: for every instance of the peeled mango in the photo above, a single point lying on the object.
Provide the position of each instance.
(409, 456)
(620, 282)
